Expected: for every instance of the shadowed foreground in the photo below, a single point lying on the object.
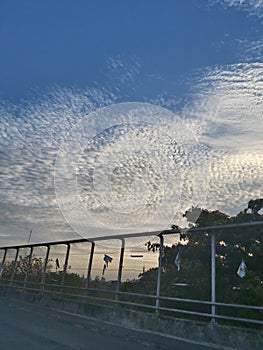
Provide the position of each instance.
(26, 326)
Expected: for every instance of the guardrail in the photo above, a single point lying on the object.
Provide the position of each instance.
(87, 289)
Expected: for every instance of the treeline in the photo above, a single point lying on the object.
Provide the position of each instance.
(186, 265)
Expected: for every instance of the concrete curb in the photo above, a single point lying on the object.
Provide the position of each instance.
(194, 342)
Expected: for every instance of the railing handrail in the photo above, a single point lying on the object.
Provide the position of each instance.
(139, 234)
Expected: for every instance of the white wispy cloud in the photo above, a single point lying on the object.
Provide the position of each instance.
(250, 51)
(252, 7)
(228, 108)
(122, 70)
(229, 104)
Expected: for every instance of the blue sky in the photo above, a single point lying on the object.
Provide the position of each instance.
(61, 60)
(69, 43)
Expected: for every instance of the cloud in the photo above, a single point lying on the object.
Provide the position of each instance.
(252, 7)
(138, 170)
(227, 106)
(30, 135)
(228, 102)
(122, 69)
(234, 180)
(219, 166)
(250, 51)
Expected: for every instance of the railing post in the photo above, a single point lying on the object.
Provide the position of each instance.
(158, 287)
(44, 269)
(213, 275)
(14, 267)
(4, 257)
(28, 266)
(65, 268)
(120, 266)
(3, 261)
(89, 267)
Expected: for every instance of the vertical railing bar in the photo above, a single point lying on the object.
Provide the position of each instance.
(28, 266)
(158, 287)
(14, 267)
(4, 257)
(213, 275)
(90, 266)
(3, 262)
(65, 267)
(120, 267)
(44, 268)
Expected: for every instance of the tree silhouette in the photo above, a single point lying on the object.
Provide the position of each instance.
(232, 245)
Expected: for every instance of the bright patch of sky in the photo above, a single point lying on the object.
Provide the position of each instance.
(200, 60)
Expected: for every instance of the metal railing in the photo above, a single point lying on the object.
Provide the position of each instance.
(209, 309)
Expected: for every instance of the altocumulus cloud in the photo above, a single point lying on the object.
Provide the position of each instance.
(30, 136)
(224, 116)
(228, 108)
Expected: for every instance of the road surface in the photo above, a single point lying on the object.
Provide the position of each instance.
(25, 326)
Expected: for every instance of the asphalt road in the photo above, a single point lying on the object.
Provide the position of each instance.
(34, 327)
